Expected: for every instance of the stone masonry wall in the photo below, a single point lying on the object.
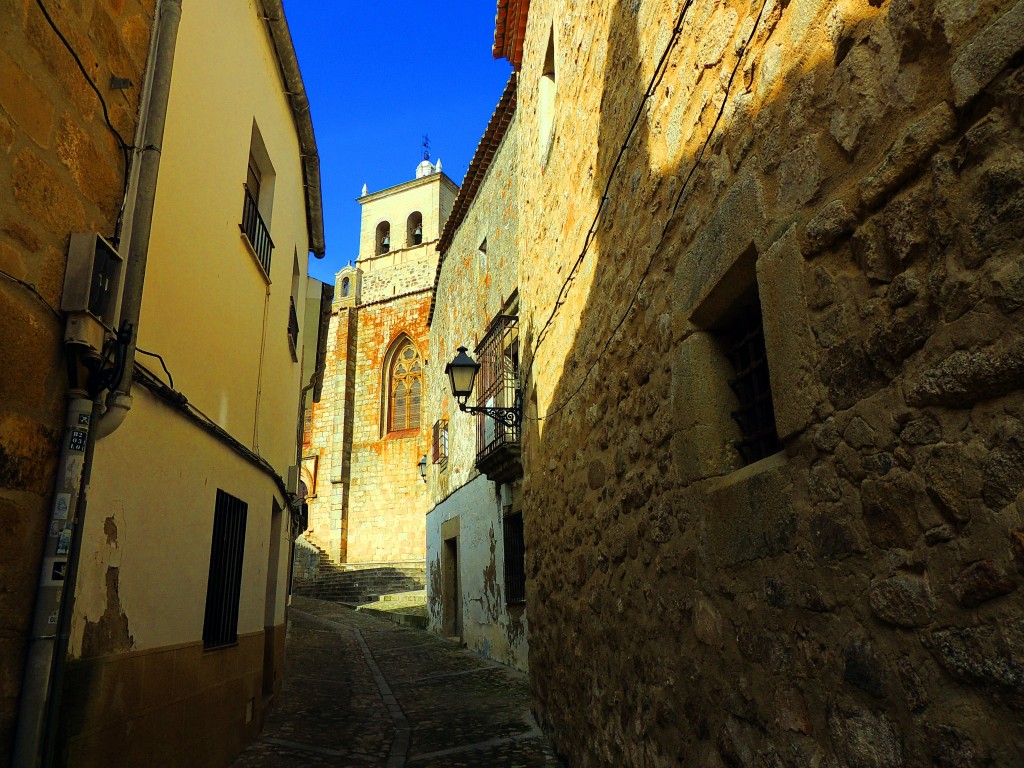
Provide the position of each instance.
(852, 601)
(398, 273)
(329, 434)
(471, 289)
(387, 498)
(470, 292)
(60, 172)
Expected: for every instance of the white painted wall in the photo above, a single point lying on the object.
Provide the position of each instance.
(488, 626)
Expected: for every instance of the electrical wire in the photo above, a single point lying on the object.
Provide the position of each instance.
(664, 232)
(34, 291)
(126, 148)
(659, 72)
(81, 67)
(163, 365)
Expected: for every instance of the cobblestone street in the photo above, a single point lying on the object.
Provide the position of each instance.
(359, 690)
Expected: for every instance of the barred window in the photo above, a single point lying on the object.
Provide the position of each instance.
(515, 559)
(755, 416)
(406, 389)
(439, 446)
(224, 584)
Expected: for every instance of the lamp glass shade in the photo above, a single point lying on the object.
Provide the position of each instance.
(462, 373)
(423, 466)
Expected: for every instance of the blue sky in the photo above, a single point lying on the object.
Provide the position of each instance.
(379, 76)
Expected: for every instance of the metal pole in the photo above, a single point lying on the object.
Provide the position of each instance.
(52, 579)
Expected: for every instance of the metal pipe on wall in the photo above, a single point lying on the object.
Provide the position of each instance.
(140, 221)
(48, 640)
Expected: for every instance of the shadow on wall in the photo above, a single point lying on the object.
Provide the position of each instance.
(694, 607)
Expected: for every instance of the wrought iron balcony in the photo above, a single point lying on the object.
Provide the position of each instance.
(497, 440)
(255, 230)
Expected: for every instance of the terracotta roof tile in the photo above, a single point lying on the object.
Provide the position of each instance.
(510, 30)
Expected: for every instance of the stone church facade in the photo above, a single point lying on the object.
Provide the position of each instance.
(365, 437)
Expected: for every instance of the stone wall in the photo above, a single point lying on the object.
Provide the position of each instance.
(853, 600)
(369, 501)
(328, 435)
(397, 273)
(386, 502)
(60, 172)
(472, 287)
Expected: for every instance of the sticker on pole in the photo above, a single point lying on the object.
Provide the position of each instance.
(64, 541)
(77, 442)
(61, 506)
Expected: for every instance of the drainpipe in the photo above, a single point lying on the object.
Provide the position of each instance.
(35, 735)
(39, 655)
(273, 13)
(119, 400)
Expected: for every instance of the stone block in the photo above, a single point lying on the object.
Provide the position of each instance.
(753, 515)
(987, 54)
(27, 104)
(830, 223)
(908, 153)
(865, 739)
(966, 377)
(799, 176)
(44, 196)
(792, 360)
(904, 599)
(738, 225)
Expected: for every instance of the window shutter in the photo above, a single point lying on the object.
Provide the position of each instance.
(399, 408)
(414, 403)
(435, 450)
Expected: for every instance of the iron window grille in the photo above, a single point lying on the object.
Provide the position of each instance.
(515, 559)
(255, 229)
(755, 415)
(439, 444)
(293, 330)
(224, 586)
(497, 384)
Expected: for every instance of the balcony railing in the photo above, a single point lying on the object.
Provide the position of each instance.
(497, 383)
(254, 228)
(293, 330)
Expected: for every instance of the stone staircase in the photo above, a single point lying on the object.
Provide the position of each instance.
(314, 574)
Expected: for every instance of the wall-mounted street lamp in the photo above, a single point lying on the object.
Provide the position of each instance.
(422, 466)
(461, 375)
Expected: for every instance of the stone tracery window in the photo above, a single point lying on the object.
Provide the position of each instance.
(405, 389)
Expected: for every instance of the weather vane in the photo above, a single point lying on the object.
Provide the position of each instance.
(426, 147)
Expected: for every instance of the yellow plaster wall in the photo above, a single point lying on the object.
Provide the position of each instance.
(225, 77)
(150, 516)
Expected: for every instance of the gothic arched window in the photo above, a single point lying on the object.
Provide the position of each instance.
(405, 389)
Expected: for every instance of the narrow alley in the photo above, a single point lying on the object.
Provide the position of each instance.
(359, 690)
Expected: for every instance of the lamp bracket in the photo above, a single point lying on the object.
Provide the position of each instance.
(510, 417)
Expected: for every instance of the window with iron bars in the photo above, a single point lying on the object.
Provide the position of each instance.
(497, 383)
(439, 446)
(293, 330)
(255, 229)
(515, 559)
(224, 585)
(755, 416)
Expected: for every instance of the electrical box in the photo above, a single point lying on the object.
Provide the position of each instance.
(92, 283)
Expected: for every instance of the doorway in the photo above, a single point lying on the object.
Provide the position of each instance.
(451, 594)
